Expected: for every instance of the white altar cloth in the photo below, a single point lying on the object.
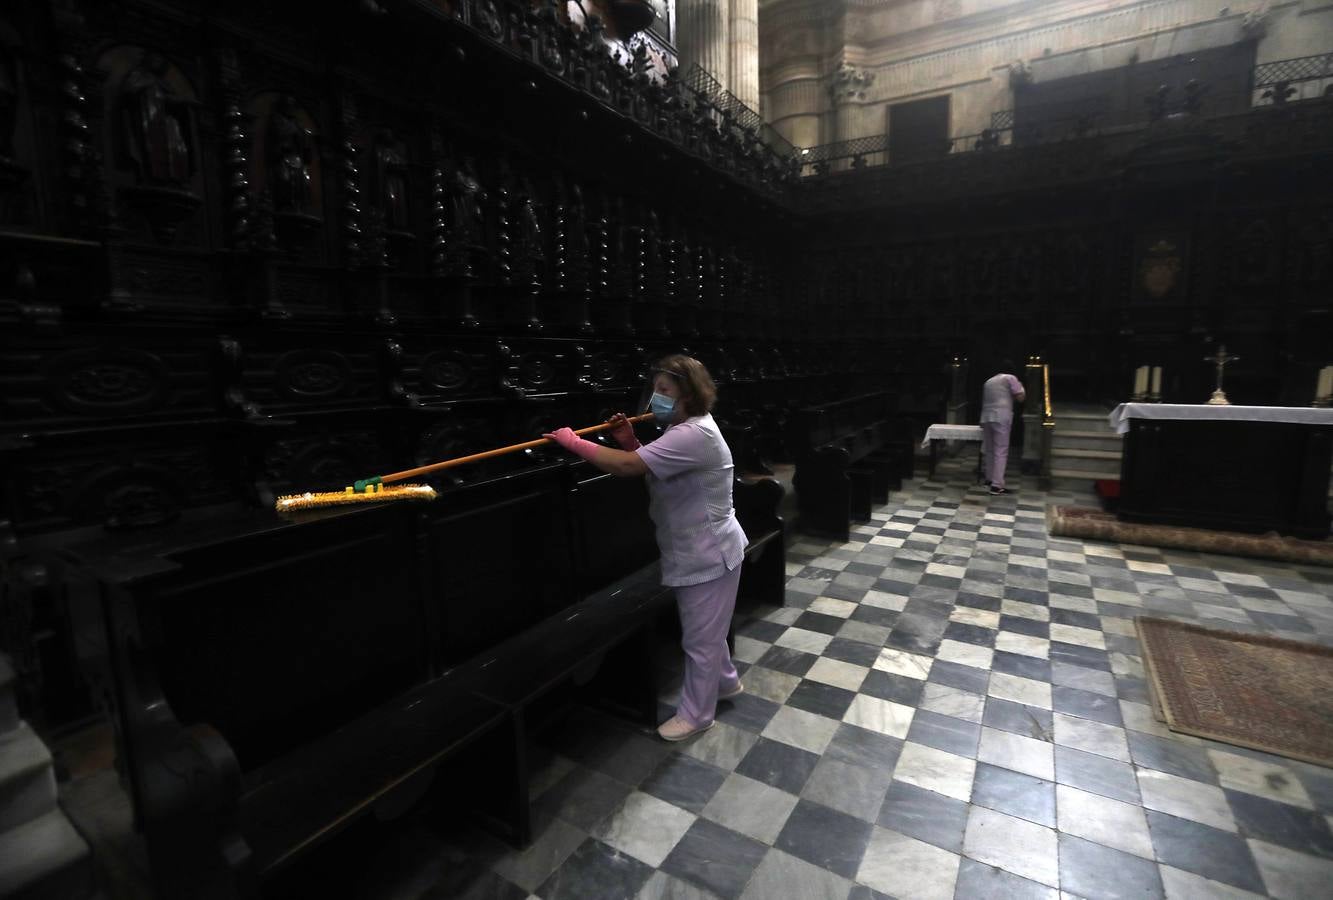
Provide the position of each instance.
(1303, 415)
(951, 433)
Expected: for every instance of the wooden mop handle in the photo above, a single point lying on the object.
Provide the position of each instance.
(499, 451)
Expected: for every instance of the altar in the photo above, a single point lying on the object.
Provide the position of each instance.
(1234, 468)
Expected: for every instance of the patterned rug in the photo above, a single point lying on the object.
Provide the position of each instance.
(1094, 524)
(1255, 691)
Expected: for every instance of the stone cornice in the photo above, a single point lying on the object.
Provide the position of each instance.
(1027, 43)
(981, 28)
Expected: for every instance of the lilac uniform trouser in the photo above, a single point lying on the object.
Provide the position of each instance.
(705, 616)
(995, 450)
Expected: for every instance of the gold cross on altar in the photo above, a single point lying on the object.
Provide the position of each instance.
(1220, 359)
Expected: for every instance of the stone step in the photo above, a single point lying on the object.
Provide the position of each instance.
(9, 710)
(1085, 460)
(1086, 440)
(27, 780)
(1083, 477)
(1079, 482)
(45, 859)
(1084, 421)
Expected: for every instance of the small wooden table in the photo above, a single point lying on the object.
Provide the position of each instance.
(944, 432)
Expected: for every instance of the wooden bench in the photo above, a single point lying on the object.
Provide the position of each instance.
(271, 682)
(849, 454)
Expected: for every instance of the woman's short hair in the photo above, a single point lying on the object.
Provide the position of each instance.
(698, 393)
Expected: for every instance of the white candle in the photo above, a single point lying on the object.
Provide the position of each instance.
(1140, 381)
(1325, 388)
(1157, 380)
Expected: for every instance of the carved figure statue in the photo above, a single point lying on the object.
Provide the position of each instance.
(290, 152)
(466, 203)
(155, 122)
(391, 168)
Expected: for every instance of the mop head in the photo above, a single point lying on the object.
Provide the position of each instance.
(378, 493)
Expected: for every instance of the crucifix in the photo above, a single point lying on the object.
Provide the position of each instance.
(1220, 359)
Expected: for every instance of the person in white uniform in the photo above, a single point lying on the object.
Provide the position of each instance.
(690, 472)
(997, 418)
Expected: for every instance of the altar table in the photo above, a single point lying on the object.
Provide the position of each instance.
(1234, 468)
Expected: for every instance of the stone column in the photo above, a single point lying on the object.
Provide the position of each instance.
(848, 89)
(703, 37)
(744, 75)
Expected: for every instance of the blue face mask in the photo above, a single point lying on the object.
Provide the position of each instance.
(662, 407)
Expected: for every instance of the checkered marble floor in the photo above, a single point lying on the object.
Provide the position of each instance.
(950, 705)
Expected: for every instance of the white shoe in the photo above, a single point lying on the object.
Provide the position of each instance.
(734, 692)
(677, 729)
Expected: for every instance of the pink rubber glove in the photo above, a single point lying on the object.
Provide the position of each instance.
(567, 439)
(623, 432)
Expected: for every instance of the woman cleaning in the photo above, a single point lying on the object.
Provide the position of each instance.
(689, 471)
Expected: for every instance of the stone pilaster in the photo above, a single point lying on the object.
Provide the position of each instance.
(744, 46)
(847, 89)
(703, 30)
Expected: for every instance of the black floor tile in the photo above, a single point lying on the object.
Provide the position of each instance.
(979, 601)
(1078, 655)
(1020, 625)
(821, 699)
(897, 588)
(1029, 721)
(1210, 852)
(925, 815)
(780, 765)
(1278, 622)
(1101, 873)
(945, 733)
(813, 621)
(784, 659)
(595, 870)
(583, 798)
(1281, 823)
(1096, 775)
(912, 643)
(1172, 757)
(854, 652)
(747, 711)
(844, 592)
(857, 568)
(889, 686)
(1071, 590)
(873, 615)
(1014, 793)
(969, 634)
(862, 747)
(1021, 665)
(762, 630)
(1086, 705)
(980, 880)
(1127, 687)
(1027, 595)
(684, 781)
(924, 602)
(965, 678)
(830, 839)
(712, 857)
(1075, 618)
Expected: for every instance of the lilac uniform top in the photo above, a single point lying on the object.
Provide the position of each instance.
(997, 399)
(689, 484)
